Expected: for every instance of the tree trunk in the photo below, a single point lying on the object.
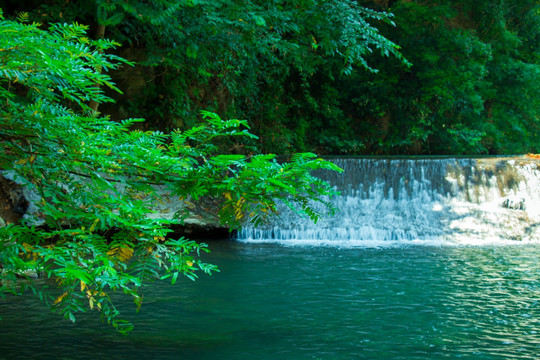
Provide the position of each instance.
(100, 34)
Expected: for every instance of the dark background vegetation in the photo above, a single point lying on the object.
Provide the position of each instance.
(333, 77)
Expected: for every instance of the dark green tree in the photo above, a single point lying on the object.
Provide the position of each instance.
(264, 61)
(472, 89)
(512, 100)
(327, 76)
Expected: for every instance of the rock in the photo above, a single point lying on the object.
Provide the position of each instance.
(30, 273)
(17, 201)
(514, 204)
(194, 228)
(13, 204)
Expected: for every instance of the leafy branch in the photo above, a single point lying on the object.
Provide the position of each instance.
(95, 181)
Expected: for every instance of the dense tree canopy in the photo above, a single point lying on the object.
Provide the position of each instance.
(264, 61)
(473, 88)
(328, 76)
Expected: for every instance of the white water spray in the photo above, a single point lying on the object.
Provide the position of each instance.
(395, 202)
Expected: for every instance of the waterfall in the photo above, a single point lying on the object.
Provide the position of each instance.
(395, 202)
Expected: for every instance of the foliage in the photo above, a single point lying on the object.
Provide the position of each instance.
(328, 76)
(512, 102)
(472, 89)
(441, 92)
(259, 60)
(96, 180)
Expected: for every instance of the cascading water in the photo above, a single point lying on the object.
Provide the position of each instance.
(394, 202)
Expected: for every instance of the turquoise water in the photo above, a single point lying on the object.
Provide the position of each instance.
(277, 302)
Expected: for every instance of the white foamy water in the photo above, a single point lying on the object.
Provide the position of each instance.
(399, 202)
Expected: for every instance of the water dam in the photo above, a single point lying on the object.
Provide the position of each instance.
(432, 201)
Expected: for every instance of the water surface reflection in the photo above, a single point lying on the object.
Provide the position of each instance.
(274, 302)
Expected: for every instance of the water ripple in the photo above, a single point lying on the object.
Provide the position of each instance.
(273, 302)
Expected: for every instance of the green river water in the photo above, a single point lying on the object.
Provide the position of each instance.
(306, 302)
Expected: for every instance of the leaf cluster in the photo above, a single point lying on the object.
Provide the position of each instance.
(95, 182)
(472, 88)
(328, 76)
(259, 60)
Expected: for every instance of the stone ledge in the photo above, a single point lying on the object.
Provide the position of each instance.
(202, 221)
